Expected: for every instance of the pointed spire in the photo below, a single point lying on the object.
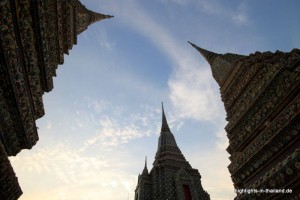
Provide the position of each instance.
(224, 64)
(208, 55)
(145, 170)
(95, 17)
(86, 17)
(164, 125)
(167, 147)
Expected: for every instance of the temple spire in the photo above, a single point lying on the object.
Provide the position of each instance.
(164, 125)
(95, 17)
(208, 55)
(86, 17)
(221, 64)
(145, 170)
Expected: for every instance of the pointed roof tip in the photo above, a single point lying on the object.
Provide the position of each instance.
(219, 72)
(85, 17)
(108, 16)
(164, 125)
(192, 44)
(145, 170)
(208, 55)
(98, 16)
(94, 16)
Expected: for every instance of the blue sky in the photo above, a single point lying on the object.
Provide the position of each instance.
(103, 116)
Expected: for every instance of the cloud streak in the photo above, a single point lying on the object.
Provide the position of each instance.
(119, 126)
(190, 83)
(236, 13)
(75, 175)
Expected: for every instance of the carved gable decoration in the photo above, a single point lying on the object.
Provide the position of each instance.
(182, 175)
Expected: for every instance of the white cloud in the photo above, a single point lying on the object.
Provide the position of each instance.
(104, 40)
(240, 16)
(97, 105)
(113, 133)
(49, 125)
(193, 96)
(215, 175)
(180, 2)
(190, 87)
(236, 13)
(119, 126)
(70, 174)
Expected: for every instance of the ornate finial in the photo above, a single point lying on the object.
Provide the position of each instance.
(208, 55)
(164, 126)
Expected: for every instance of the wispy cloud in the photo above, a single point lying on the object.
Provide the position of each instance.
(119, 126)
(105, 41)
(193, 96)
(49, 125)
(237, 13)
(180, 2)
(190, 87)
(215, 175)
(97, 105)
(75, 175)
(240, 16)
(112, 133)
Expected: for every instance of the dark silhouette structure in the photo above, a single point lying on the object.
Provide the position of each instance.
(261, 95)
(172, 177)
(34, 36)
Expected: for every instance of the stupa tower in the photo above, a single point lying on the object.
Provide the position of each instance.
(261, 95)
(34, 36)
(172, 177)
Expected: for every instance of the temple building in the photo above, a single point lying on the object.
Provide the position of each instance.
(172, 177)
(34, 37)
(261, 95)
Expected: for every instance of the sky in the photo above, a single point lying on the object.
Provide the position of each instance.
(104, 114)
